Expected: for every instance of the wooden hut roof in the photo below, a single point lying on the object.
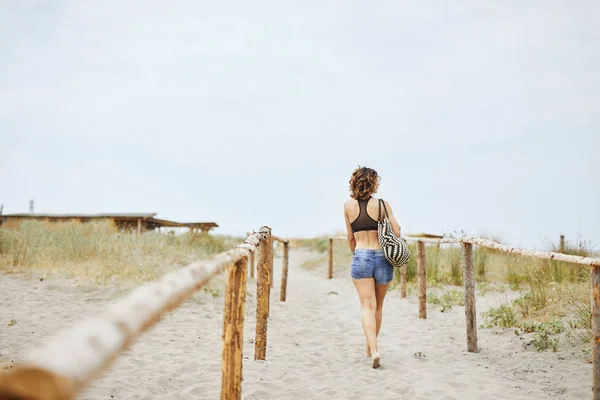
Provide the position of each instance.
(101, 215)
(147, 217)
(200, 224)
(426, 235)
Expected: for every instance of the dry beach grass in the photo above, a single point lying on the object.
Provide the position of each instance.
(98, 252)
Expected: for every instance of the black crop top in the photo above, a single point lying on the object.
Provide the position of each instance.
(363, 222)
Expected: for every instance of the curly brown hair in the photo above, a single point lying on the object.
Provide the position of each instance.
(363, 183)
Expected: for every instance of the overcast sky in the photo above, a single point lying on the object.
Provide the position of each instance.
(481, 116)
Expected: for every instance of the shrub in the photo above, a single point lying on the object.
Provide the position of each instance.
(503, 316)
(542, 341)
(553, 326)
(447, 299)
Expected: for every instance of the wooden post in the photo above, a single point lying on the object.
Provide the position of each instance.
(330, 267)
(562, 244)
(469, 279)
(30, 382)
(403, 281)
(251, 265)
(263, 289)
(271, 278)
(139, 227)
(595, 274)
(233, 330)
(422, 273)
(284, 271)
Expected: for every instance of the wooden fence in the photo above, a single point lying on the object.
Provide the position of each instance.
(51, 372)
(469, 285)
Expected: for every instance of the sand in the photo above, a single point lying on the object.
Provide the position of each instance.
(315, 347)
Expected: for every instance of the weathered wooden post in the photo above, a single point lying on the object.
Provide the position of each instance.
(284, 271)
(30, 382)
(139, 227)
(263, 292)
(330, 267)
(271, 263)
(233, 330)
(422, 273)
(251, 265)
(403, 281)
(469, 279)
(562, 243)
(595, 275)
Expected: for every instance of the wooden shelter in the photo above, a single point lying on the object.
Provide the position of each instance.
(425, 235)
(134, 221)
(200, 226)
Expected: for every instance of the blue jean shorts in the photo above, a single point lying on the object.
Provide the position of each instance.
(371, 264)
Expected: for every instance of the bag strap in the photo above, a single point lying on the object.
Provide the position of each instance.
(384, 207)
(379, 212)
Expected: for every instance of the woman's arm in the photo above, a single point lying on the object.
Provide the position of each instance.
(351, 240)
(395, 224)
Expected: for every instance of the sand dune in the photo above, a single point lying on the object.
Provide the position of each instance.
(315, 347)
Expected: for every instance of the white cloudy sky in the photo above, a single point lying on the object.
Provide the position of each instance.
(482, 116)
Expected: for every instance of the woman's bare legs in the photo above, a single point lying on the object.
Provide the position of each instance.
(380, 292)
(368, 304)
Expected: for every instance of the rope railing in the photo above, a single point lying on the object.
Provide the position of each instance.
(63, 366)
(469, 284)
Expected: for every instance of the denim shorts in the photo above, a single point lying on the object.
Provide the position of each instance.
(371, 264)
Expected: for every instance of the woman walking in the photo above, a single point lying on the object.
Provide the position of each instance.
(371, 272)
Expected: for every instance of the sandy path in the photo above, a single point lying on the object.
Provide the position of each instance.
(315, 347)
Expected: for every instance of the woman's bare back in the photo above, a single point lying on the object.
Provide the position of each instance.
(364, 239)
(368, 239)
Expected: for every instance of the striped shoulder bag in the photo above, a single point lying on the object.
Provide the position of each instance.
(394, 248)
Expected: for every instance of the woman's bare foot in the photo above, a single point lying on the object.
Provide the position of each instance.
(376, 360)
(368, 352)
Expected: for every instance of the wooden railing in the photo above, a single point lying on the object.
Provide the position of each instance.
(61, 368)
(469, 285)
